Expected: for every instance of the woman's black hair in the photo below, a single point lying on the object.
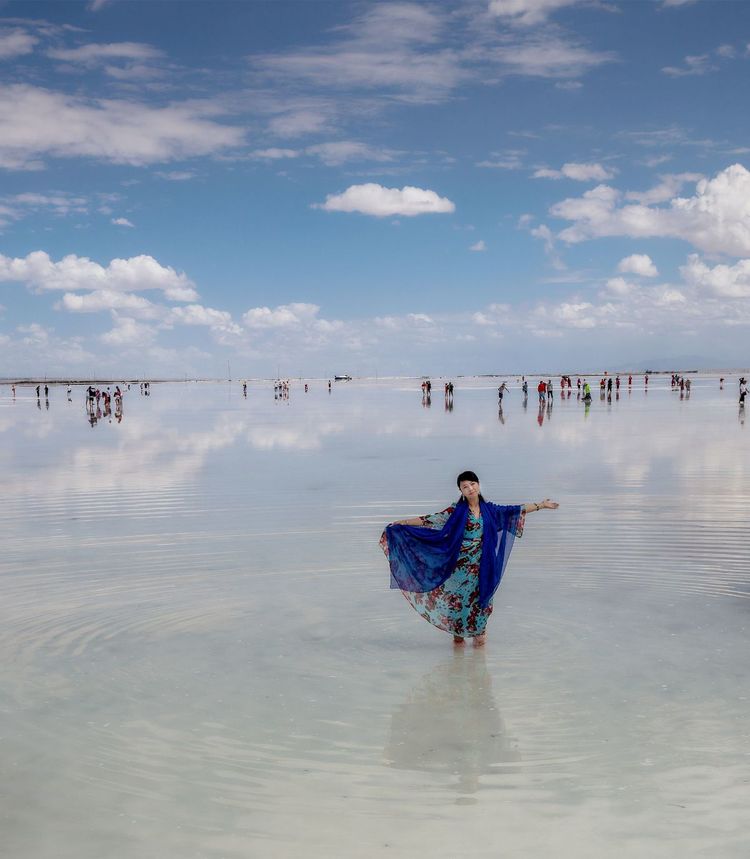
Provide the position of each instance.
(467, 475)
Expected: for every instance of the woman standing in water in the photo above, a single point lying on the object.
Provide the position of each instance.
(448, 565)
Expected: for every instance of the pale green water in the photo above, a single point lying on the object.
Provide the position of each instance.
(200, 656)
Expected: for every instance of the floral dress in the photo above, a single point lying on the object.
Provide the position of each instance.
(454, 605)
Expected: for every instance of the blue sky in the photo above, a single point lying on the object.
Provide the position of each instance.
(397, 188)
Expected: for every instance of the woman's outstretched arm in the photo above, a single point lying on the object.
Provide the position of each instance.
(416, 523)
(547, 504)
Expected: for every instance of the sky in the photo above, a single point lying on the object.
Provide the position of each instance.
(389, 188)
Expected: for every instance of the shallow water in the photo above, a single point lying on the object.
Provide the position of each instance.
(200, 655)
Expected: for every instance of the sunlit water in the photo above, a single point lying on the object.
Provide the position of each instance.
(200, 655)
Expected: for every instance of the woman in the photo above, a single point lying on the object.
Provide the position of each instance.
(448, 565)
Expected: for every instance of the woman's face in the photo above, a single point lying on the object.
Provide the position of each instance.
(469, 489)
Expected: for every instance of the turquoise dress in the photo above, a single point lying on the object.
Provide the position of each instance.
(454, 606)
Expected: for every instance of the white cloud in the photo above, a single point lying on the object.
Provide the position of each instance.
(640, 264)
(127, 332)
(478, 246)
(576, 171)
(196, 314)
(373, 199)
(110, 299)
(338, 152)
(283, 316)
(547, 56)
(508, 160)
(526, 13)
(275, 153)
(669, 185)
(122, 222)
(97, 53)
(36, 122)
(716, 219)
(730, 281)
(391, 47)
(73, 273)
(16, 43)
(694, 65)
(619, 286)
(176, 175)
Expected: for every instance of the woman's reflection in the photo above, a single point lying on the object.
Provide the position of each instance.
(450, 723)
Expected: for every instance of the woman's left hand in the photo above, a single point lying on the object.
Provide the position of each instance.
(549, 504)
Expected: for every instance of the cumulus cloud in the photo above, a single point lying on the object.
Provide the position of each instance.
(374, 199)
(122, 222)
(73, 273)
(526, 13)
(478, 246)
(128, 332)
(640, 264)
(716, 219)
(669, 185)
(36, 122)
(730, 281)
(110, 299)
(283, 316)
(576, 171)
(196, 314)
(15, 43)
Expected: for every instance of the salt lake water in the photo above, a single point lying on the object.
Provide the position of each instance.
(200, 655)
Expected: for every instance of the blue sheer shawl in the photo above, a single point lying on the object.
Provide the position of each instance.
(421, 559)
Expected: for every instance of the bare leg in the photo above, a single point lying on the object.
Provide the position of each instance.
(457, 639)
(479, 640)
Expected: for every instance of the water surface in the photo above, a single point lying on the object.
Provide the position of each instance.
(200, 655)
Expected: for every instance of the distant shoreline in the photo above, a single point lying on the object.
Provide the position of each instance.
(32, 382)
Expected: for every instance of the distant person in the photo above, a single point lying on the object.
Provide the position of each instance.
(630, 380)
(541, 390)
(500, 391)
(743, 391)
(13, 389)
(525, 388)
(645, 380)
(46, 390)
(38, 388)
(244, 388)
(550, 393)
(329, 386)
(586, 392)
(721, 383)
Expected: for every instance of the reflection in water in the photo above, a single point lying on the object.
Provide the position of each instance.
(450, 724)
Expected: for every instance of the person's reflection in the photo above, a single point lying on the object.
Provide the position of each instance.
(500, 415)
(426, 400)
(540, 415)
(118, 409)
(587, 407)
(525, 401)
(450, 723)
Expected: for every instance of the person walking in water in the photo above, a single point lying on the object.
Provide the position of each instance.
(448, 565)
(542, 390)
(743, 391)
